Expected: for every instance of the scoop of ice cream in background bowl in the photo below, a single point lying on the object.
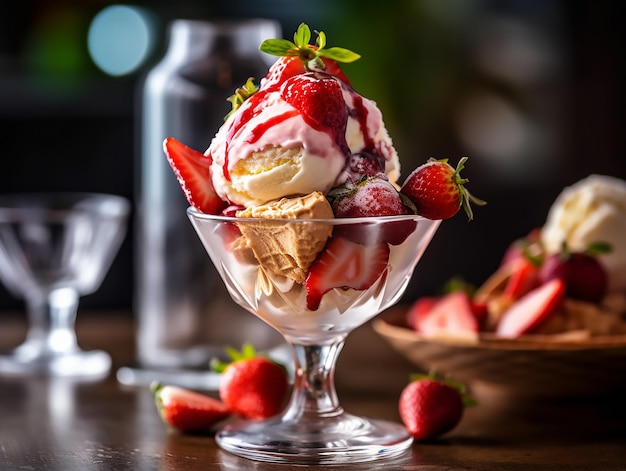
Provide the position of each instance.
(590, 211)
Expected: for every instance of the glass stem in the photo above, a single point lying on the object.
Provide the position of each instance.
(52, 320)
(314, 394)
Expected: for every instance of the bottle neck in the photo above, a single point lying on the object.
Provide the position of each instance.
(191, 40)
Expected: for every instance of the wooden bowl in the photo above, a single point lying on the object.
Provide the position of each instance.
(531, 365)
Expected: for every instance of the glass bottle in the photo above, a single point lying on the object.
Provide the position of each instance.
(183, 317)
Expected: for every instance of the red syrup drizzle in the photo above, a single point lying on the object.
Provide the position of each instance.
(253, 110)
(257, 132)
(320, 105)
(360, 113)
(338, 133)
(240, 119)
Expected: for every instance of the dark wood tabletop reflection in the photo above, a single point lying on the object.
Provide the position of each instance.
(62, 424)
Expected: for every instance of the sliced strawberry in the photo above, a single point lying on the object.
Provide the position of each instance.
(481, 312)
(186, 410)
(531, 309)
(453, 314)
(345, 264)
(419, 310)
(523, 247)
(524, 277)
(192, 169)
(231, 211)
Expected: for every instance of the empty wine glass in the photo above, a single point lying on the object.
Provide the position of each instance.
(55, 247)
(314, 428)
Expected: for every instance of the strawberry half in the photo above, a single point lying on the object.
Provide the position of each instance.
(419, 310)
(451, 314)
(187, 411)
(438, 191)
(531, 310)
(192, 169)
(345, 264)
(523, 278)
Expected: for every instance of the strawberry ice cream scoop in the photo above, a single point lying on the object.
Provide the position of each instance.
(294, 139)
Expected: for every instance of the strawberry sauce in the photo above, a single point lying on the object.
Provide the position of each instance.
(319, 100)
(360, 113)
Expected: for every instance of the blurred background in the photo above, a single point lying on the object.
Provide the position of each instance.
(530, 90)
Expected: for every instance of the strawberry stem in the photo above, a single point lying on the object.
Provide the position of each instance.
(598, 248)
(241, 95)
(247, 352)
(465, 196)
(310, 55)
(467, 399)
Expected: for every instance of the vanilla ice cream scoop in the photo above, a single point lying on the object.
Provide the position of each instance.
(590, 211)
(268, 149)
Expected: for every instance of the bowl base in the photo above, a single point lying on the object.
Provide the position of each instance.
(341, 439)
(80, 363)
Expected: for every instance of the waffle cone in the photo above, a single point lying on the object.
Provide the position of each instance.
(287, 249)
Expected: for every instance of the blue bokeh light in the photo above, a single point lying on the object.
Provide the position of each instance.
(120, 38)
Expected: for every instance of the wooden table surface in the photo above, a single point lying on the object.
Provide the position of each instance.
(61, 424)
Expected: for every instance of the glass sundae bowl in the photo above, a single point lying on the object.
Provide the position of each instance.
(55, 248)
(314, 309)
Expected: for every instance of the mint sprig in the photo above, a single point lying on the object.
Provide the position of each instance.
(310, 55)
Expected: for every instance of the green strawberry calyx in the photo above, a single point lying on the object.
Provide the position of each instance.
(598, 248)
(247, 352)
(594, 249)
(468, 400)
(241, 95)
(310, 55)
(465, 197)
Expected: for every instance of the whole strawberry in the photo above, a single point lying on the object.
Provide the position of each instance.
(318, 98)
(372, 196)
(584, 275)
(438, 191)
(298, 56)
(363, 164)
(430, 407)
(252, 387)
(187, 411)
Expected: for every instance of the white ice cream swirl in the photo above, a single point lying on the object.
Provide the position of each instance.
(590, 211)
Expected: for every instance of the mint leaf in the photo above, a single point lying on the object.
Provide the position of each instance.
(321, 40)
(598, 248)
(277, 47)
(300, 48)
(302, 36)
(340, 54)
